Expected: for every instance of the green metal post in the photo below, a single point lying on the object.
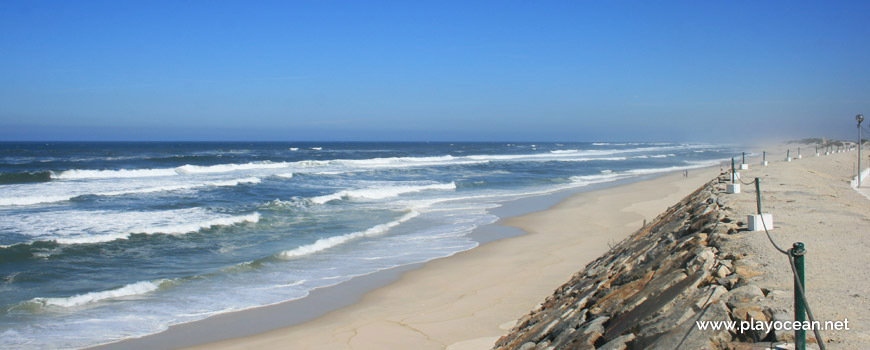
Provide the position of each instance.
(764, 156)
(758, 195)
(732, 170)
(800, 310)
(787, 154)
(743, 161)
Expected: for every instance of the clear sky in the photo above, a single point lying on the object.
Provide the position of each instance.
(432, 70)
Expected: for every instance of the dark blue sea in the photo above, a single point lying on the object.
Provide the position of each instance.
(105, 241)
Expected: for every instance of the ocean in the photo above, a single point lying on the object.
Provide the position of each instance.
(105, 241)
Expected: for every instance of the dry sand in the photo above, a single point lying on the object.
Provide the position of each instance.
(812, 202)
(469, 300)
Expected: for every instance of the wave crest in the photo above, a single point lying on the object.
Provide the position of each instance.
(326, 243)
(138, 288)
(30, 200)
(84, 227)
(78, 174)
(381, 192)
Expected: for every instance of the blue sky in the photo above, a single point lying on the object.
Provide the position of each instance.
(432, 70)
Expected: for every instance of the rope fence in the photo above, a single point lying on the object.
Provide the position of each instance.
(792, 253)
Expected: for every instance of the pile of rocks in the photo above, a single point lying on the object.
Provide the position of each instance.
(648, 291)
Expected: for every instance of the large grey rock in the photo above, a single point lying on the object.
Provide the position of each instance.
(594, 325)
(619, 343)
(528, 346)
(688, 336)
(654, 305)
(749, 312)
(686, 306)
(722, 271)
(748, 293)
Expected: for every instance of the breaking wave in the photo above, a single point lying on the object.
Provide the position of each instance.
(85, 227)
(381, 192)
(138, 288)
(78, 174)
(326, 243)
(29, 200)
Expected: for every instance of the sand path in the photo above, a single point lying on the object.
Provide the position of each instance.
(812, 202)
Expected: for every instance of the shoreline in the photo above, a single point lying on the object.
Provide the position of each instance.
(256, 322)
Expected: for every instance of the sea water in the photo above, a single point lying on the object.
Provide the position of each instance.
(105, 241)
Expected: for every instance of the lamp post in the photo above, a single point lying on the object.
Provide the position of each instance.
(859, 118)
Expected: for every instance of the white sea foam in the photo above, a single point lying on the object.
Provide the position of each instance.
(168, 188)
(326, 243)
(689, 165)
(83, 227)
(381, 192)
(29, 200)
(77, 174)
(600, 144)
(294, 148)
(573, 154)
(227, 183)
(285, 175)
(328, 198)
(83, 191)
(197, 226)
(137, 288)
(287, 285)
(224, 168)
(590, 159)
(401, 161)
(585, 180)
(609, 175)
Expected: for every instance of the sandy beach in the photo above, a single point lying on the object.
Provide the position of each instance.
(469, 300)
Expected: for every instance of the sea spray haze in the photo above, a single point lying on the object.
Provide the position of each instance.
(105, 241)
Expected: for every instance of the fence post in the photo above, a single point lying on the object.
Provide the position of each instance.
(758, 195)
(732, 170)
(800, 310)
